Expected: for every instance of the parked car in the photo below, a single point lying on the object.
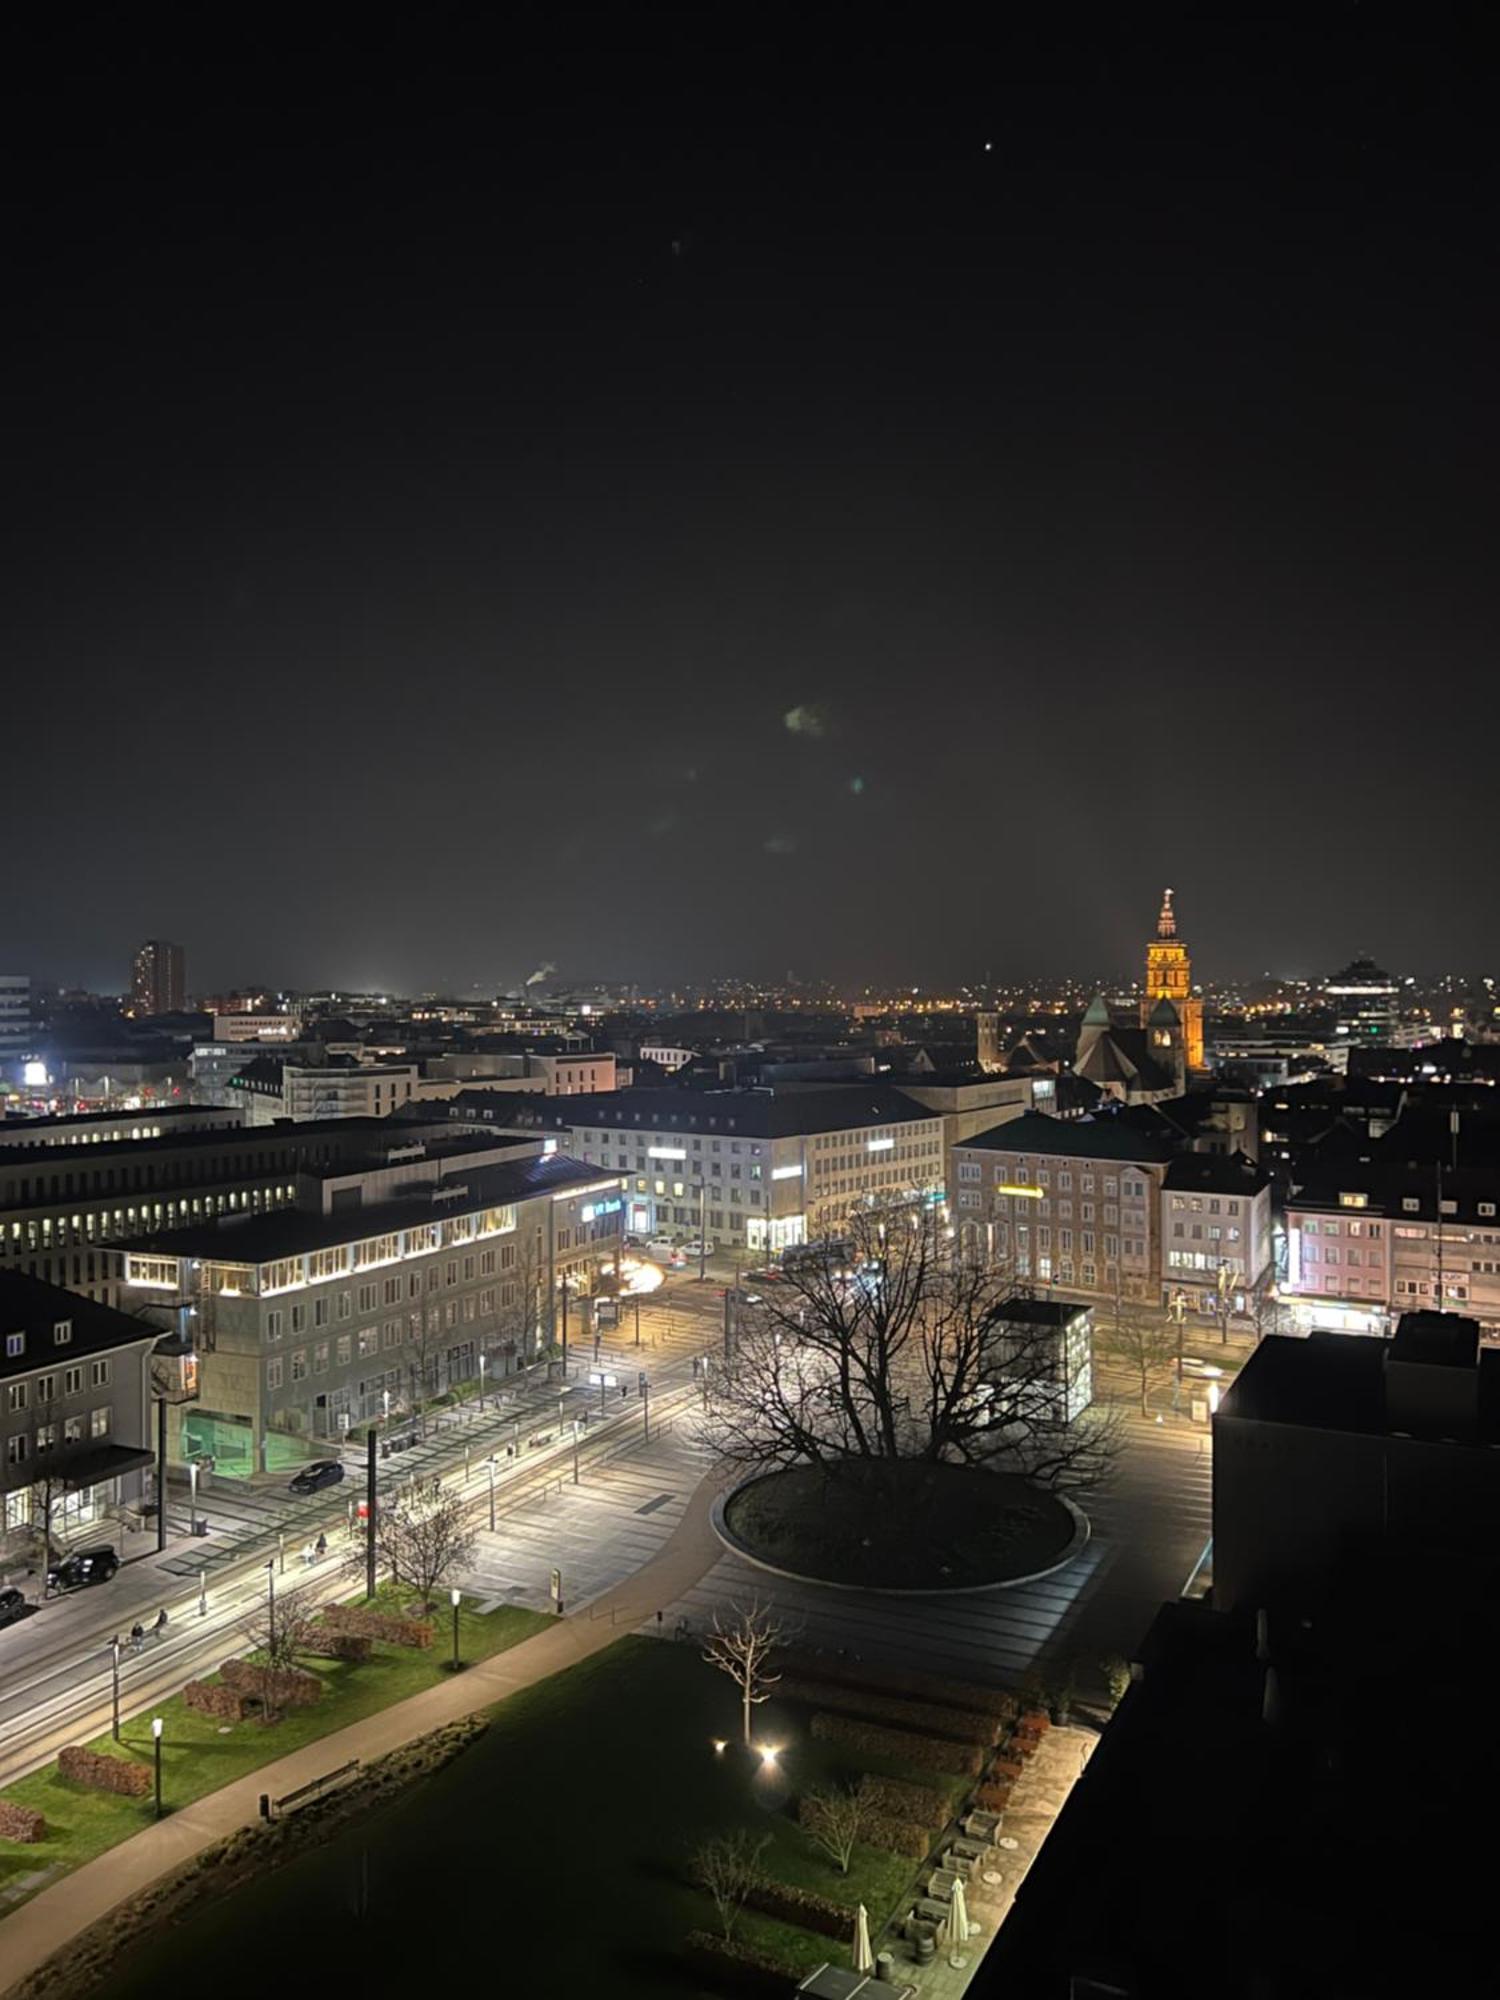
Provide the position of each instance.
(81, 1567)
(698, 1247)
(661, 1251)
(313, 1478)
(12, 1606)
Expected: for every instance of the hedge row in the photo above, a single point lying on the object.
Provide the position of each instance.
(21, 1823)
(385, 1625)
(896, 1836)
(930, 1753)
(919, 1804)
(351, 1646)
(965, 1724)
(281, 1687)
(791, 1905)
(897, 1681)
(216, 1698)
(746, 1967)
(103, 1774)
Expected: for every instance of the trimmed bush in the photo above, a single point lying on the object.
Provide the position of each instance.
(964, 1724)
(931, 1753)
(367, 1624)
(919, 1804)
(351, 1646)
(748, 1968)
(103, 1774)
(791, 1905)
(897, 1681)
(21, 1823)
(277, 1687)
(215, 1698)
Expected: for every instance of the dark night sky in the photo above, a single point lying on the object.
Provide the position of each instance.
(432, 475)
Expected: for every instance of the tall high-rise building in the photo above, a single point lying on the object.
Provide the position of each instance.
(15, 1013)
(1169, 976)
(157, 979)
(1365, 1002)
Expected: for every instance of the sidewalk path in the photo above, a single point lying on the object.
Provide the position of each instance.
(59, 1913)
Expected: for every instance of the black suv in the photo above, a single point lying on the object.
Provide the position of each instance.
(313, 1478)
(12, 1606)
(81, 1567)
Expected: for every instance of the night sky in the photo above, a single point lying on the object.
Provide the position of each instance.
(670, 508)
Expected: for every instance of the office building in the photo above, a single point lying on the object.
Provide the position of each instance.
(75, 1414)
(158, 980)
(269, 1088)
(1364, 1002)
(379, 1291)
(1074, 1203)
(15, 1016)
(1215, 1231)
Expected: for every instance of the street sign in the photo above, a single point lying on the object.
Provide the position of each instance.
(557, 1586)
(601, 1380)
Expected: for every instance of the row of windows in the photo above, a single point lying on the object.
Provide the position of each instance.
(15, 1343)
(44, 1388)
(412, 1329)
(20, 1446)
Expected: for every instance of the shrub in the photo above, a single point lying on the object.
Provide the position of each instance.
(966, 1725)
(276, 1687)
(351, 1646)
(21, 1823)
(791, 1905)
(896, 1681)
(103, 1774)
(359, 1619)
(931, 1753)
(217, 1698)
(747, 1967)
(919, 1804)
(897, 1836)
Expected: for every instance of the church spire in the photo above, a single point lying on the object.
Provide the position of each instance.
(1166, 923)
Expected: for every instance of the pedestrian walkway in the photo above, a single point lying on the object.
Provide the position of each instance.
(31, 1934)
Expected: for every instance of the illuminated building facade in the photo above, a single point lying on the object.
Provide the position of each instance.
(1169, 976)
(158, 979)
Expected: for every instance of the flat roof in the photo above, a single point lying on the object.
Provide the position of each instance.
(1070, 1138)
(1337, 1382)
(290, 1232)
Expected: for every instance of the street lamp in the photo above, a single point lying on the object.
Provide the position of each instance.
(575, 1451)
(193, 1484)
(456, 1595)
(492, 1492)
(281, 1550)
(481, 1380)
(203, 1591)
(385, 1395)
(271, 1591)
(156, 1740)
(114, 1648)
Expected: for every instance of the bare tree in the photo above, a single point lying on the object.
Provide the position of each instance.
(887, 1347)
(728, 1867)
(278, 1631)
(1142, 1341)
(744, 1649)
(836, 1817)
(423, 1540)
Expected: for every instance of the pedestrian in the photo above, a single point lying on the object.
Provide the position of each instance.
(658, 1621)
(161, 1621)
(321, 1545)
(137, 1636)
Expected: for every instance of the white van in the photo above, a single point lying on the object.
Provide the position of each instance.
(661, 1251)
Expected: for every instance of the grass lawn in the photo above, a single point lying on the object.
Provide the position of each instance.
(556, 1850)
(200, 1754)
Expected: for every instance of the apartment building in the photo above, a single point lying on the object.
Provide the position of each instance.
(380, 1291)
(1075, 1203)
(75, 1413)
(1369, 1243)
(1216, 1231)
(759, 1170)
(267, 1089)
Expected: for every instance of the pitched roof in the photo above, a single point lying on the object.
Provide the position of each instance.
(1216, 1173)
(1103, 1138)
(31, 1307)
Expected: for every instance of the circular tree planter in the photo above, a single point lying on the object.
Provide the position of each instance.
(903, 1526)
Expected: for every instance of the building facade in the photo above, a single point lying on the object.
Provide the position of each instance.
(267, 1089)
(15, 1016)
(1169, 976)
(308, 1322)
(1216, 1231)
(158, 979)
(75, 1414)
(1074, 1203)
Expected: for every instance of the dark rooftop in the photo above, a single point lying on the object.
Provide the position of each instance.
(1104, 1138)
(753, 1114)
(1042, 1312)
(31, 1307)
(1337, 1381)
(1216, 1173)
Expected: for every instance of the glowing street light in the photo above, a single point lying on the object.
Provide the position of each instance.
(156, 1740)
(456, 1598)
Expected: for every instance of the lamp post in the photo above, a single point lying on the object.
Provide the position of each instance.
(646, 1410)
(193, 1489)
(575, 1451)
(281, 1551)
(114, 1649)
(637, 1319)
(271, 1596)
(156, 1741)
(203, 1591)
(456, 1598)
(481, 1380)
(492, 1492)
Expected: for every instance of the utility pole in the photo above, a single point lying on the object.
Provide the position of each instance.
(161, 1473)
(728, 1325)
(702, 1231)
(370, 1502)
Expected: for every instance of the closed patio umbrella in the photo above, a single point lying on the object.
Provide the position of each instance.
(864, 1958)
(956, 1928)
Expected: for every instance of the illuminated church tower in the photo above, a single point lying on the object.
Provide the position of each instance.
(1169, 976)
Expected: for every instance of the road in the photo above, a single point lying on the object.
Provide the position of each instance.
(58, 1680)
